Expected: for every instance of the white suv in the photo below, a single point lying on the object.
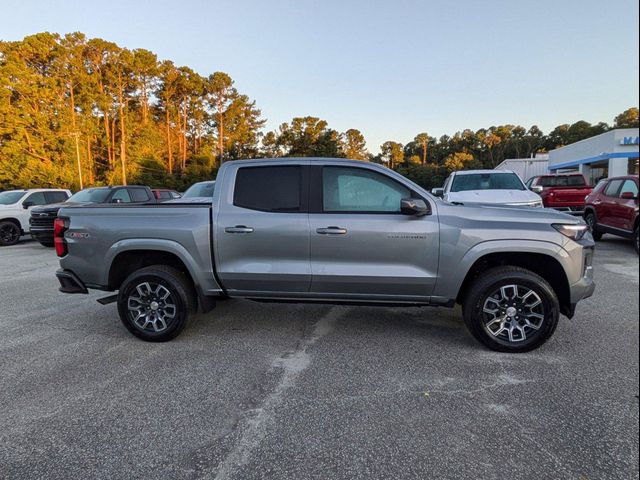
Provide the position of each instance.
(15, 210)
(498, 187)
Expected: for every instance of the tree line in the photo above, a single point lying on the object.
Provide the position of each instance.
(77, 112)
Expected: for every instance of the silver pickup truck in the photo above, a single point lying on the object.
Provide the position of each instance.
(332, 231)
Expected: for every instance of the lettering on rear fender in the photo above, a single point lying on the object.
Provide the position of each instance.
(77, 235)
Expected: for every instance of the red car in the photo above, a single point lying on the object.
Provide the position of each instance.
(565, 191)
(612, 207)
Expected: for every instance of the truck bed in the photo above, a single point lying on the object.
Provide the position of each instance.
(97, 234)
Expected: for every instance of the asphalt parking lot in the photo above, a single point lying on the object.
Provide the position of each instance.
(289, 391)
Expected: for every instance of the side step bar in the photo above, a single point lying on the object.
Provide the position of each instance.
(107, 300)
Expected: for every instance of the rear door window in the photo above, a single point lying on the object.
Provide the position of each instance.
(269, 189)
(56, 197)
(138, 195)
(122, 195)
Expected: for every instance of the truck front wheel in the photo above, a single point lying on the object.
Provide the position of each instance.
(511, 309)
(9, 233)
(155, 303)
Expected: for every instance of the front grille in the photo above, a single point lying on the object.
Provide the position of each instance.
(42, 220)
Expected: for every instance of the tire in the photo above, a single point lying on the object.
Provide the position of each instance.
(522, 327)
(9, 233)
(636, 240)
(155, 303)
(590, 219)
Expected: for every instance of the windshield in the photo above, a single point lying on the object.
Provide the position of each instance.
(486, 181)
(562, 181)
(90, 195)
(202, 189)
(8, 198)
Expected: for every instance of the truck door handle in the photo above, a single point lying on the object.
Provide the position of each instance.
(331, 231)
(239, 229)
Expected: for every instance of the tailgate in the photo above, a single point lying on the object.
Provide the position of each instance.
(568, 196)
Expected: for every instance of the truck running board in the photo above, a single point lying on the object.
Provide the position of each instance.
(108, 300)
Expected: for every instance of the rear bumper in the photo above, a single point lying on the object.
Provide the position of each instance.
(70, 283)
(574, 210)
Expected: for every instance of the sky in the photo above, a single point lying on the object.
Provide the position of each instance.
(391, 69)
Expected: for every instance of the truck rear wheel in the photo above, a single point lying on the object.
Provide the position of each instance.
(155, 303)
(511, 309)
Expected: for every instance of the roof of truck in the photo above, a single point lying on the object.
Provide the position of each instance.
(471, 172)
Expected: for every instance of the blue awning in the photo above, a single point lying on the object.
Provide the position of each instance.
(598, 158)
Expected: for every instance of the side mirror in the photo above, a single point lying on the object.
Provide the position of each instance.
(628, 196)
(537, 189)
(438, 192)
(116, 200)
(26, 205)
(414, 206)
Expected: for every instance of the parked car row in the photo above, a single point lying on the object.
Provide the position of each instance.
(33, 211)
(610, 207)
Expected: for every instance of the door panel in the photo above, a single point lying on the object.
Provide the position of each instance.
(623, 211)
(263, 252)
(381, 255)
(361, 245)
(608, 199)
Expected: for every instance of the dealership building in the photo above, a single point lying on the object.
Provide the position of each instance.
(610, 154)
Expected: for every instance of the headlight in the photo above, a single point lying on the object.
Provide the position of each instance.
(573, 231)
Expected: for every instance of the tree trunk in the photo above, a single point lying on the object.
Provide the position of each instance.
(220, 135)
(113, 141)
(75, 133)
(168, 130)
(90, 162)
(145, 106)
(184, 139)
(123, 140)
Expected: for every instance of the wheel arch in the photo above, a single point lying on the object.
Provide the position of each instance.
(124, 261)
(15, 221)
(543, 264)
(590, 209)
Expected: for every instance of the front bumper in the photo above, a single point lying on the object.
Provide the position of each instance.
(70, 283)
(41, 234)
(584, 287)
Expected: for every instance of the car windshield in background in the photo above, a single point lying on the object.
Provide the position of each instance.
(562, 181)
(8, 198)
(90, 195)
(204, 189)
(486, 181)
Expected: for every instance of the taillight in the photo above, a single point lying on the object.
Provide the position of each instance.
(59, 227)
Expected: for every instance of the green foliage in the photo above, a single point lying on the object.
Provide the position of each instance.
(427, 176)
(460, 161)
(120, 114)
(68, 101)
(392, 154)
(627, 119)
